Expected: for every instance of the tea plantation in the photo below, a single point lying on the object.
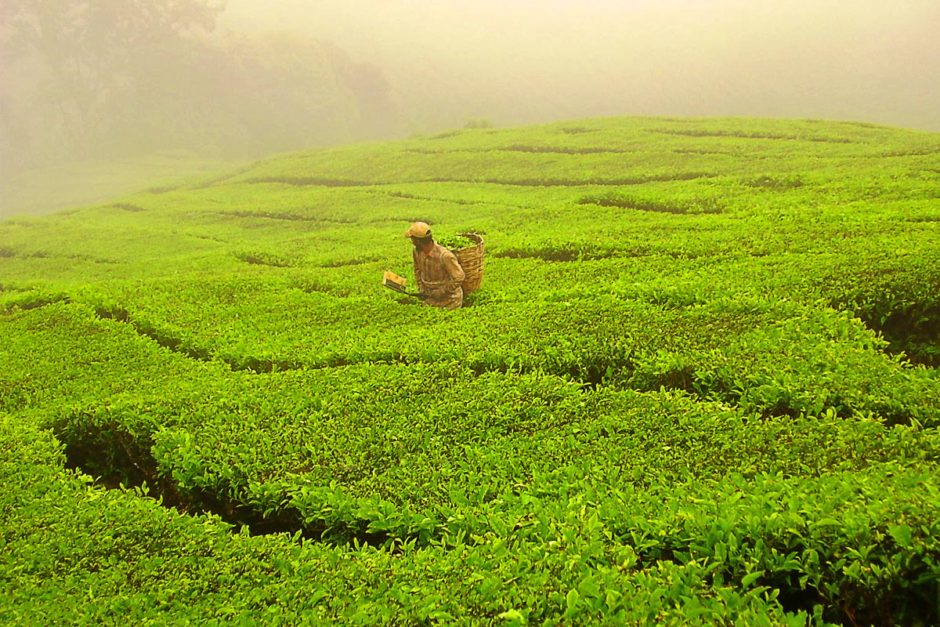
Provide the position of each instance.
(698, 385)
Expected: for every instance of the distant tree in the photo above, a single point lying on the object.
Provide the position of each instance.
(108, 78)
(284, 91)
(8, 135)
(378, 111)
(96, 50)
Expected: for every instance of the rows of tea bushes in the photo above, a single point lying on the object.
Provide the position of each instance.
(299, 452)
(581, 497)
(698, 385)
(75, 552)
(846, 547)
(438, 455)
(63, 353)
(770, 357)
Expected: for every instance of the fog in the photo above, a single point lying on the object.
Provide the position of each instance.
(519, 61)
(94, 82)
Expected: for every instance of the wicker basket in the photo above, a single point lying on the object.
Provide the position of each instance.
(471, 260)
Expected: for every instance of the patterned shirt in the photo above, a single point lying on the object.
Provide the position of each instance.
(439, 275)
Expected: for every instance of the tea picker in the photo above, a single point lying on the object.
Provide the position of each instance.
(443, 276)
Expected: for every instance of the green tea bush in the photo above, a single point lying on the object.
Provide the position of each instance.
(698, 385)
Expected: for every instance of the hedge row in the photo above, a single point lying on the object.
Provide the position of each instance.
(848, 547)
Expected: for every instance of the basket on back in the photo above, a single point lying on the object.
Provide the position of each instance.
(471, 260)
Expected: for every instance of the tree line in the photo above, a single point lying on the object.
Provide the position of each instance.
(107, 78)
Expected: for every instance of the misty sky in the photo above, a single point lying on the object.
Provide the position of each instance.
(518, 61)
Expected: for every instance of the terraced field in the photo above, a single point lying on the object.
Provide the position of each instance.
(699, 384)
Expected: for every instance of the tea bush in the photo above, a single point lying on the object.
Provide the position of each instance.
(698, 385)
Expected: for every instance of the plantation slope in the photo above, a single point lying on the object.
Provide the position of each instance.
(699, 384)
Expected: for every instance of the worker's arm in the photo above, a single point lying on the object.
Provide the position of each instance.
(453, 268)
(419, 276)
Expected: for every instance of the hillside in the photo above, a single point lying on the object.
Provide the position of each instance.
(54, 188)
(699, 383)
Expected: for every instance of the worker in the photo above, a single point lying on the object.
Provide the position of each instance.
(437, 270)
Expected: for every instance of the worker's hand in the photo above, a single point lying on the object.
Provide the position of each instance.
(437, 291)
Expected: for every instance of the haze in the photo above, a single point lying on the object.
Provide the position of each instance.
(205, 88)
(519, 61)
